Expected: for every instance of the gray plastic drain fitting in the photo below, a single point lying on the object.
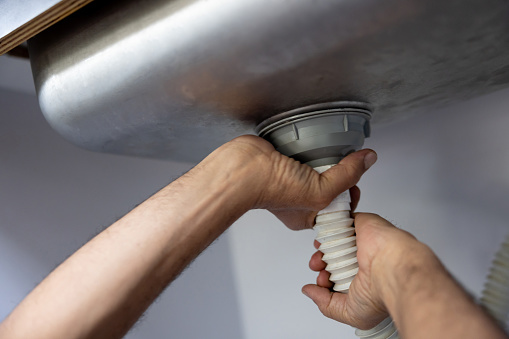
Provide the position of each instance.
(321, 134)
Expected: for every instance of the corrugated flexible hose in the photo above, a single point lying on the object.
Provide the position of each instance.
(495, 296)
(336, 234)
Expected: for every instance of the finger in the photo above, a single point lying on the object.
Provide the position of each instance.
(355, 196)
(316, 243)
(315, 263)
(323, 279)
(329, 303)
(367, 220)
(347, 173)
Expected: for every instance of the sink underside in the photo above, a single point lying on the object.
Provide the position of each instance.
(175, 79)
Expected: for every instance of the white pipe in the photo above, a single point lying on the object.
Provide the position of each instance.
(495, 296)
(336, 233)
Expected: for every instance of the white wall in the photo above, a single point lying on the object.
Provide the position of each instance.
(443, 176)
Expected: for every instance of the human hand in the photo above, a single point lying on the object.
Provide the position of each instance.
(290, 190)
(380, 246)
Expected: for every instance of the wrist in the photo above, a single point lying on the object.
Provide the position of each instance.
(246, 164)
(232, 174)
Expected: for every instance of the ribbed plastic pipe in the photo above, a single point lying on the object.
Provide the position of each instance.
(495, 296)
(336, 234)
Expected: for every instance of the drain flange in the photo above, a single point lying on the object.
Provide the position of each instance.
(320, 134)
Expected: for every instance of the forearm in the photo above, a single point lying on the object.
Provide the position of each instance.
(102, 289)
(426, 302)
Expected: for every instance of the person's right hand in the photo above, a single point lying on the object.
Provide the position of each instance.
(380, 247)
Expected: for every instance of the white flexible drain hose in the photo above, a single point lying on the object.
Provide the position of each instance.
(495, 296)
(336, 234)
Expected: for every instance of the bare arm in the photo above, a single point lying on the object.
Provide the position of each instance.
(401, 276)
(103, 288)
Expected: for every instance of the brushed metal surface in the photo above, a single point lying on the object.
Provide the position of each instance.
(175, 79)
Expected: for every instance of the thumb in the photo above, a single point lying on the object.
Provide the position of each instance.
(331, 304)
(348, 172)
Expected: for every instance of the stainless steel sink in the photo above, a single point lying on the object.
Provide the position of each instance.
(175, 79)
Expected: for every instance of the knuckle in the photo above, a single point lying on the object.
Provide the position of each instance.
(354, 171)
(325, 311)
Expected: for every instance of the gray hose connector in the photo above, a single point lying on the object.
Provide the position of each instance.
(318, 135)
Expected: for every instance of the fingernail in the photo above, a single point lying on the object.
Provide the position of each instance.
(369, 160)
(304, 292)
